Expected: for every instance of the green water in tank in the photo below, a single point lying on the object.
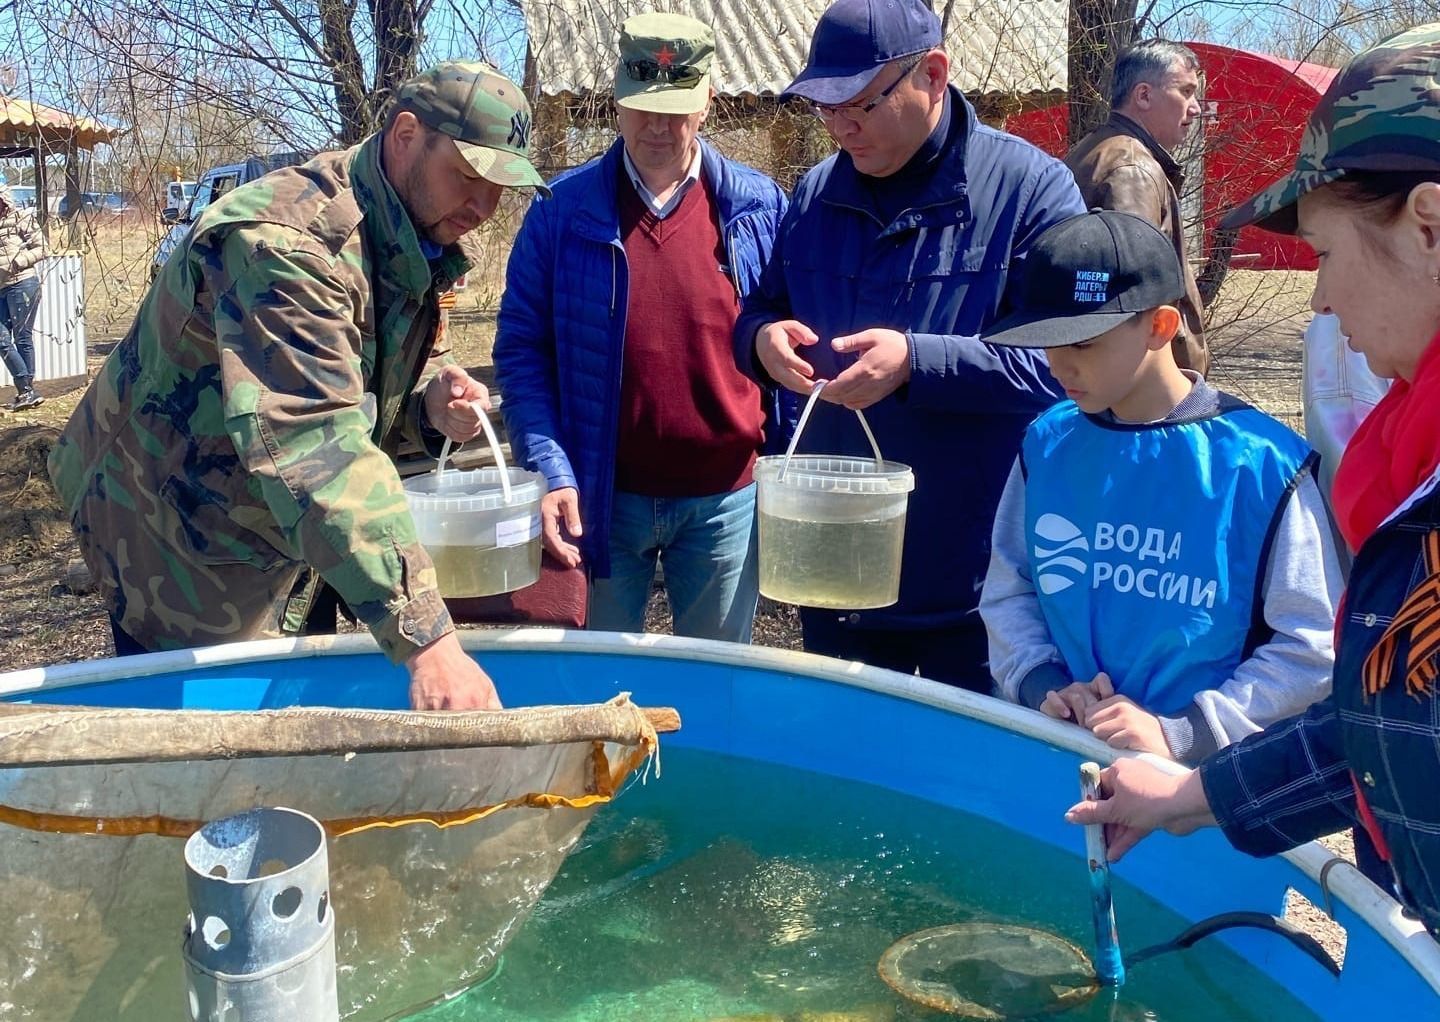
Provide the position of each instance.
(737, 890)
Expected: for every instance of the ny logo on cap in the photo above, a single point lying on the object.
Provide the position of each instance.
(519, 130)
(1092, 286)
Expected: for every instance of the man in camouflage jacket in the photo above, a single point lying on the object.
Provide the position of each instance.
(234, 449)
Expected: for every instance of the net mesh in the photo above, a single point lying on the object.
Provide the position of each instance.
(437, 854)
(989, 971)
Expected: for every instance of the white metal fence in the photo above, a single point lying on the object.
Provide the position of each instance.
(60, 321)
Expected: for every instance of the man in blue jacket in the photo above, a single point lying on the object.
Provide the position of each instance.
(614, 350)
(894, 255)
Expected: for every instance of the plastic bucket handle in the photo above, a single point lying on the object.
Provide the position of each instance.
(800, 428)
(494, 450)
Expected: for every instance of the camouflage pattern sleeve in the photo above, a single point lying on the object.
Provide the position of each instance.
(295, 403)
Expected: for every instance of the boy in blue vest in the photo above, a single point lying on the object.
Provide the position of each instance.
(1163, 571)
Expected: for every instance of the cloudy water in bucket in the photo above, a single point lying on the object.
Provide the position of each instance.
(845, 565)
(464, 571)
(733, 890)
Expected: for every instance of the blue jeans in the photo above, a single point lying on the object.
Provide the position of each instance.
(18, 306)
(709, 547)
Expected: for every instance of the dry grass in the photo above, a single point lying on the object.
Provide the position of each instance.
(117, 252)
(1256, 327)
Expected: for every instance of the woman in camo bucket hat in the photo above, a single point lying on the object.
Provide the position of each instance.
(1365, 193)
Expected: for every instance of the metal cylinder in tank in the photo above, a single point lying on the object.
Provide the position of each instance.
(260, 941)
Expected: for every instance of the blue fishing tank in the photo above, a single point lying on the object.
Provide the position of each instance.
(843, 720)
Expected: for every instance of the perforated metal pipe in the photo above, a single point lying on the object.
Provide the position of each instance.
(260, 941)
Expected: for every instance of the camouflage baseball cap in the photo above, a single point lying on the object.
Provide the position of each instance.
(484, 112)
(664, 64)
(1381, 113)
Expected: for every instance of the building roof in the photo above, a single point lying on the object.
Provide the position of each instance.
(21, 120)
(995, 46)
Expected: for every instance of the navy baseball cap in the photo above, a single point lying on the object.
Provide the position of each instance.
(855, 39)
(1086, 275)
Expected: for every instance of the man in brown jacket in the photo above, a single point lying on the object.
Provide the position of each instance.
(1125, 163)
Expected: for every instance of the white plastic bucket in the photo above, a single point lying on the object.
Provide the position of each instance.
(481, 527)
(832, 528)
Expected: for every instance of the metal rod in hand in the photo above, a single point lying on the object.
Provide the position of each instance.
(1109, 966)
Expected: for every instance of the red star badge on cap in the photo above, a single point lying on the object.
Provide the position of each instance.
(665, 56)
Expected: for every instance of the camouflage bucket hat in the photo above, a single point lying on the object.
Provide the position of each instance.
(484, 112)
(664, 64)
(1381, 113)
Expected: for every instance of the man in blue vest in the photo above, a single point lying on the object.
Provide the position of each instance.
(1151, 497)
(895, 254)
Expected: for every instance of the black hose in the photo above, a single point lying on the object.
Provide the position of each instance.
(1229, 920)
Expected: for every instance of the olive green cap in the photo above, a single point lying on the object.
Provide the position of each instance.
(485, 113)
(664, 64)
(1381, 113)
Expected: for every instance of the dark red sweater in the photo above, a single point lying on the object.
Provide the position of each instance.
(690, 423)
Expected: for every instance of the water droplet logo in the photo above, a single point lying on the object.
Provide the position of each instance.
(1059, 546)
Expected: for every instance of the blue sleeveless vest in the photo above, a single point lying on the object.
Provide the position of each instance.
(1147, 544)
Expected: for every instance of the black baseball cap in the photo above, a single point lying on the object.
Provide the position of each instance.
(854, 39)
(1086, 275)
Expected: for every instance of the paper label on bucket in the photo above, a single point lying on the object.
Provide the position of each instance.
(517, 531)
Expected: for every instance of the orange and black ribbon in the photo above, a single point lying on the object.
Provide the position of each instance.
(1417, 621)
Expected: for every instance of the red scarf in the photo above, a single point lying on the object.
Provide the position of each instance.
(1395, 449)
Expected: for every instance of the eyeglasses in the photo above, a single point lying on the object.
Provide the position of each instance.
(857, 112)
(687, 76)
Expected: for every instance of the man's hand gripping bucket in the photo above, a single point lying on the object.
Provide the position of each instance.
(481, 527)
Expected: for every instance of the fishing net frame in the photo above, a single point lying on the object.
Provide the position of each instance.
(445, 829)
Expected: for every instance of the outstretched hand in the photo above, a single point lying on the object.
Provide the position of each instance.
(1137, 798)
(444, 677)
